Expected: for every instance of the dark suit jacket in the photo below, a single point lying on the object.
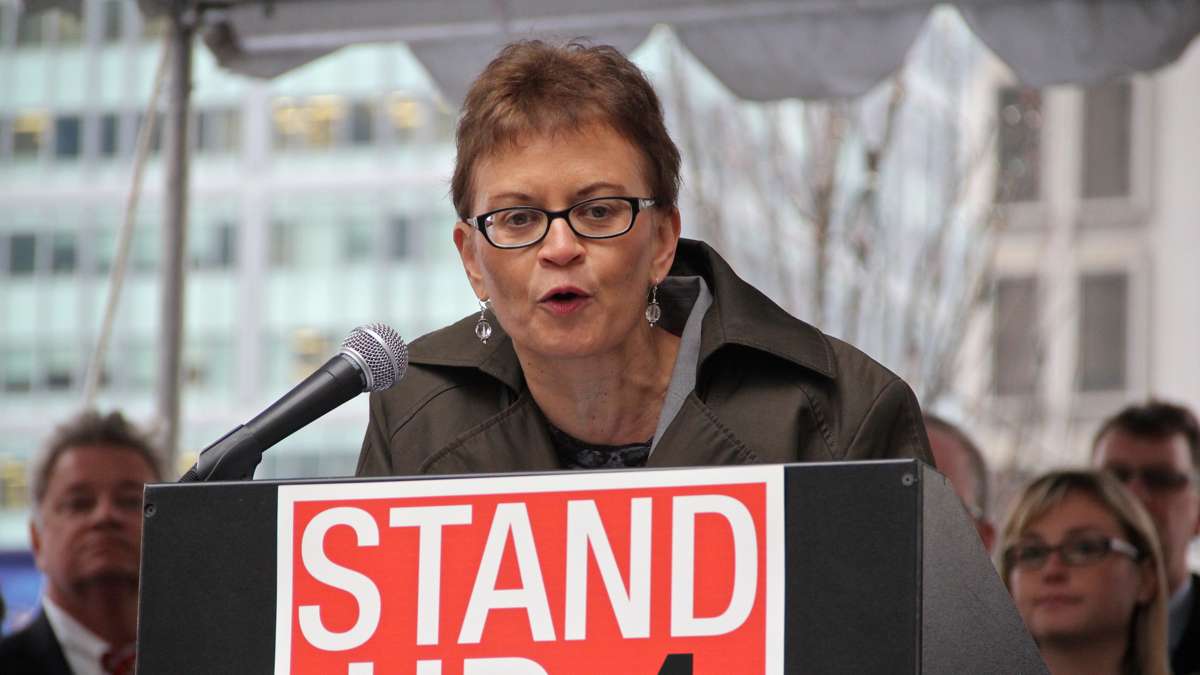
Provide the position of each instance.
(1185, 660)
(33, 651)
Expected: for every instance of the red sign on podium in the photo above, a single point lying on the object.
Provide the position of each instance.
(560, 574)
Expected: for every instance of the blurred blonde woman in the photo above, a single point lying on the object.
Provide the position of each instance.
(1081, 558)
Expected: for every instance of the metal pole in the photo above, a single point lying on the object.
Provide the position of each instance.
(174, 230)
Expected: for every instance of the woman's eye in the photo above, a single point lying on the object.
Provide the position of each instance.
(1031, 552)
(519, 219)
(597, 212)
(1088, 547)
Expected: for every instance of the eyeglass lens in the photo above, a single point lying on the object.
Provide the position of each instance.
(604, 217)
(1074, 551)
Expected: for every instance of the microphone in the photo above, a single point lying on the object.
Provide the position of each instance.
(373, 358)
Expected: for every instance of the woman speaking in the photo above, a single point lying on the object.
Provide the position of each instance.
(603, 340)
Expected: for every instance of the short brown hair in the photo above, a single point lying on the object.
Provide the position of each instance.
(1156, 420)
(1147, 649)
(533, 87)
(89, 427)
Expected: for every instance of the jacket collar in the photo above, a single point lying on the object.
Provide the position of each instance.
(740, 315)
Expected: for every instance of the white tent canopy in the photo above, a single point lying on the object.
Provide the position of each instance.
(760, 50)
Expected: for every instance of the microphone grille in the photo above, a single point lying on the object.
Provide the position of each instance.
(382, 351)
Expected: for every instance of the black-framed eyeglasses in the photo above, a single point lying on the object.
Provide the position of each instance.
(1155, 478)
(1074, 551)
(596, 218)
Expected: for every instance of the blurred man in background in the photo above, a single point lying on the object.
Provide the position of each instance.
(86, 533)
(1154, 448)
(959, 459)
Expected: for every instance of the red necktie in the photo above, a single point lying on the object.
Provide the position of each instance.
(118, 660)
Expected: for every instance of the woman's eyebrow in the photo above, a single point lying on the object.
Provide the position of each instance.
(511, 196)
(592, 188)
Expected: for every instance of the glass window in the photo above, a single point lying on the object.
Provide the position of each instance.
(154, 28)
(111, 15)
(22, 254)
(226, 245)
(6, 17)
(283, 244)
(405, 115)
(1103, 331)
(357, 240)
(29, 133)
(144, 249)
(1015, 349)
(1106, 139)
(64, 253)
(213, 247)
(218, 130)
(362, 123)
(398, 233)
(60, 364)
(17, 368)
(310, 349)
(287, 124)
(208, 363)
(444, 120)
(67, 136)
(110, 125)
(70, 27)
(1019, 145)
(104, 249)
(312, 123)
(31, 28)
(139, 363)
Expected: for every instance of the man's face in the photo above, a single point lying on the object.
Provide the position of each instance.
(89, 528)
(1160, 472)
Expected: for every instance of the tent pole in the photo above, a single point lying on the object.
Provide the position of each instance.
(174, 241)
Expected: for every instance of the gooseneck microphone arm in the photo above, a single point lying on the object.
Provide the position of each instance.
(236, 454)
(372, 358)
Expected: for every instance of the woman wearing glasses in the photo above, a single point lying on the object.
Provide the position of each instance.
(1081, 558)
(603, 339)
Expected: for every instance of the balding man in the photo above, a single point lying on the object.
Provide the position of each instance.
(86, 533)
(959, 459)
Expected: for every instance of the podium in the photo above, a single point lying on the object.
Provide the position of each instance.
(864, 567)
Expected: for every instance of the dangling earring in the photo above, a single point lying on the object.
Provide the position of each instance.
(483, 328)
(653, 310)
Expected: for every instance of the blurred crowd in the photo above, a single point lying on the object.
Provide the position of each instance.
(1095, 557)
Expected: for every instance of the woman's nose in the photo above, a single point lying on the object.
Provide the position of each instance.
(561, 245)
(1054, 568)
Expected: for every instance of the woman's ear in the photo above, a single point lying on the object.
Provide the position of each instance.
(666, 239)
(465, 240)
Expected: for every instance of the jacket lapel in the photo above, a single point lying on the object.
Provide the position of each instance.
(516, 439)
(696, 438)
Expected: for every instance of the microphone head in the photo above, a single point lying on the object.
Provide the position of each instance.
(380, 353)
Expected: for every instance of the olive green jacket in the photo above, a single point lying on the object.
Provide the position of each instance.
(769, 388)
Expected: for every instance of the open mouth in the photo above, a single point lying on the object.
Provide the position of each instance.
(564, 300)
